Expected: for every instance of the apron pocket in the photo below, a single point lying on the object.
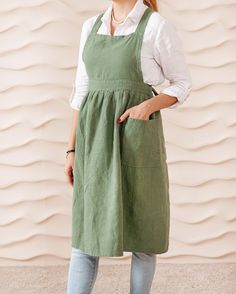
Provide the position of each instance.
(142, 144)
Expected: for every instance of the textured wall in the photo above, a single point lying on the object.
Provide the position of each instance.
(38, 57)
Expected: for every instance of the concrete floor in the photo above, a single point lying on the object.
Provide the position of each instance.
(169, 279)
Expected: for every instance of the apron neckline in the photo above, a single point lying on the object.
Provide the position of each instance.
(138, 31)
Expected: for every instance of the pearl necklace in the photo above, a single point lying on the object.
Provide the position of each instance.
(116, 21)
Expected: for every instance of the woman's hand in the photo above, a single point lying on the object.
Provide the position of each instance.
(69, 166)
(141, 111)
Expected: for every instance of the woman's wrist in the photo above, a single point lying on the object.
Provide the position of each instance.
(159, 101)
(69, 151)
(151, 105)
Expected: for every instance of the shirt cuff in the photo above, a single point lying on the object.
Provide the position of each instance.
(74, 105)
(180, 96)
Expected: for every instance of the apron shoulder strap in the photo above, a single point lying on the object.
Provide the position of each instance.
(97, 23)
(143, 21)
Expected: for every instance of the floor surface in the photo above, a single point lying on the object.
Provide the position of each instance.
(169, 279)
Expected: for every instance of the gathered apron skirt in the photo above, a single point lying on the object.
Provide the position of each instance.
(121, 186)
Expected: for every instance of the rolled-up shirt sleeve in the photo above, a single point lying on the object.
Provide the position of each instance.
(168, 53)
(80, 85)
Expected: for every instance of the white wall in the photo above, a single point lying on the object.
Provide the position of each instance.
(38, 57)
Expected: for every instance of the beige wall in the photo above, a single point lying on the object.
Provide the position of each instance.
(38, 57)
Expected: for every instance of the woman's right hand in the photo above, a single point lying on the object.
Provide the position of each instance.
(69, 167)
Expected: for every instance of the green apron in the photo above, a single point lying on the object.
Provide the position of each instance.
(121, 186)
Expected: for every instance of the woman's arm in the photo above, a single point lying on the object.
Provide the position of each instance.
(169, 54)
(80, 85)
(69, 165)
(72, 134)
(80, 88)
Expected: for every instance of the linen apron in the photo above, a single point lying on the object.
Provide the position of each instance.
(121, 186)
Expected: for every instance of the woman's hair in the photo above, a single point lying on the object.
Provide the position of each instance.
(151, 4)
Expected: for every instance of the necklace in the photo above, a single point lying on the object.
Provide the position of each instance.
(116, 21)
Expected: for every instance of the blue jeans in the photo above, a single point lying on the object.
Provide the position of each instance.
(83, 270)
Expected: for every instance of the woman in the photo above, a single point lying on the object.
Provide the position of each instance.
(116, 157)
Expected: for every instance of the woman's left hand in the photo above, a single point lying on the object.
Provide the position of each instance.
(140, 111)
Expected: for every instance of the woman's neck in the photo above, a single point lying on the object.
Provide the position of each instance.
(121, 9)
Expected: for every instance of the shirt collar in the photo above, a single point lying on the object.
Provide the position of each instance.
(134, 15)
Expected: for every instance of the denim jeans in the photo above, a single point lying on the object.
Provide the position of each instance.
(83, 270)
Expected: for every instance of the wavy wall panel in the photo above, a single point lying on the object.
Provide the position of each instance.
(38, 59)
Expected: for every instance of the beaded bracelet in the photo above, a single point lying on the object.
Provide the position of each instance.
(68, 151)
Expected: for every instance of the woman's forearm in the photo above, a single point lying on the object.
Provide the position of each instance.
(160, 101)
(72, 136)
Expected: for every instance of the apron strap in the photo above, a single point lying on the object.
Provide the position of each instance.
(97, 23)
(143, 21)
(154, 91)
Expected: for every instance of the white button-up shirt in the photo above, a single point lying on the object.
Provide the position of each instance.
(161, 54)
